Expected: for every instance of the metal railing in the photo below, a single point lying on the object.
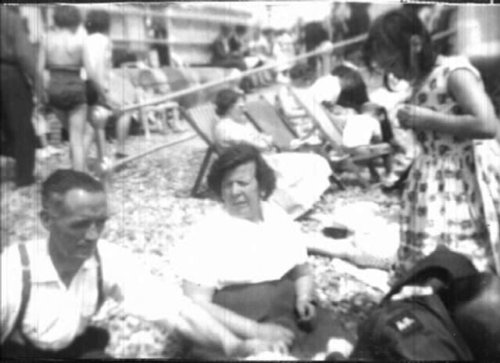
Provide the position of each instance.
(283, 65)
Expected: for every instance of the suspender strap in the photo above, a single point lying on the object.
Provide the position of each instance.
(100, 283)
(26, 288)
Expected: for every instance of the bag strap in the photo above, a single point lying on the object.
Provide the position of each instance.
(100, 282)
(26, 288)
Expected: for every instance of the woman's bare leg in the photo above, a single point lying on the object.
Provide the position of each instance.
(77, 123)
(122, 129)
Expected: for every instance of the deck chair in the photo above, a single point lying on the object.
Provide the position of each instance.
(202, 119)
(333, 135)
(266, 119)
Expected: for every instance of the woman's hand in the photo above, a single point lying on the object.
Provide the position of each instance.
(274, 333)
(296, 143)
(413, 117)
(305, 309)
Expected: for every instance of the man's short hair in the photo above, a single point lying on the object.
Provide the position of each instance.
(237, 155)
(61, 181)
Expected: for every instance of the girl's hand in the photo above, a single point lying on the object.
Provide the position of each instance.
(305, 310)
(413, 117)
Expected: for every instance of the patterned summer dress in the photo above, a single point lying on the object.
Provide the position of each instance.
(453, 192)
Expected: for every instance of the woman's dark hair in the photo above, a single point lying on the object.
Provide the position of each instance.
(314, 34)
(237, 155)
(353, 92)
(392, 31)
(224, 100)
(97, 21)
(67, 16)
(301, 71)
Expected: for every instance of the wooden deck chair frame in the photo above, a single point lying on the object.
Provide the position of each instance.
(331, 132)
(264, 116)
(201, 118)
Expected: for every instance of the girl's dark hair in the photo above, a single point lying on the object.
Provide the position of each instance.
(67, 16)
(237, 155)
(224, 100)
(97, 21)
(301, 71)
(353, 92)
(314, 34)
(392, 31)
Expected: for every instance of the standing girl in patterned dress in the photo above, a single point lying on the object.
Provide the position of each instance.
(453, 193)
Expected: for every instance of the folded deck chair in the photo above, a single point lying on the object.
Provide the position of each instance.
(333, 135)
(266, 119)
(202, 119)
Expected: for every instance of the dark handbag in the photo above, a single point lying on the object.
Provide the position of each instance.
(420, 327)
(474, 304)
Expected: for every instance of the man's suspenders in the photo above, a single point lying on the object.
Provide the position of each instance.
(100, 283)
(26, 286)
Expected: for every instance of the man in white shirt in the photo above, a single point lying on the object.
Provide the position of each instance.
(51, 289)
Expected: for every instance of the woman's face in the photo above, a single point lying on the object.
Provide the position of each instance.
(241, 193)
(236, 112)
(388, 61)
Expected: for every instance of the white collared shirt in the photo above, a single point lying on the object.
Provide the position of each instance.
(57, 314)
(224, 250)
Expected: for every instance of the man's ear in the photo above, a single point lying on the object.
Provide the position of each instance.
(415, 44)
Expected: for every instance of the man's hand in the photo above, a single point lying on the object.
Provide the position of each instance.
(305, 309)
(275, 333)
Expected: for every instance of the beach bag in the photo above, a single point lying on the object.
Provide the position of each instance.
(418, 327)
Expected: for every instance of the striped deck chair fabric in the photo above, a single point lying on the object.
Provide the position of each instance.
(202, 119)
(347, 160)
(267, 120)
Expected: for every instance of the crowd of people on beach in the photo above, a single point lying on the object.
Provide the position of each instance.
(247, 286)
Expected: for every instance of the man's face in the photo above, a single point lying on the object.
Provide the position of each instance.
(240, 192)
(77, 223)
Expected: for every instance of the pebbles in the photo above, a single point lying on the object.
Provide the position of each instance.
(152, 211)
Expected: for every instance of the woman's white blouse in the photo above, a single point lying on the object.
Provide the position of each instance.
(224, 250)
